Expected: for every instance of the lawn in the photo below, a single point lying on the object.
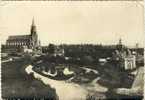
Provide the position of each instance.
(17, 84)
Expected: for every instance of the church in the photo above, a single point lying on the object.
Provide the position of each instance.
(17, 42)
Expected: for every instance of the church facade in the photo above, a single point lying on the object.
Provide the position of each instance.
(13, 43)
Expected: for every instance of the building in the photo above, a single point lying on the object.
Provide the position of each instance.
(123, 57)
(20, 42)
(130, 62)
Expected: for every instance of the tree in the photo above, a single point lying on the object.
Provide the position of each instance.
(51, 48)
(87, 60)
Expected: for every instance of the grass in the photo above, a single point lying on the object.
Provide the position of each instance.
(17, 84)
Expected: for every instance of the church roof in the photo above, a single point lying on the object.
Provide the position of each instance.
(19, 37)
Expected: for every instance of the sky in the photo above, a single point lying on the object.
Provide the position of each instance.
(70, 22)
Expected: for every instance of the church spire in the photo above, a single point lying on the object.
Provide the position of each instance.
(33, 23)
(33, 27)
(34, 36)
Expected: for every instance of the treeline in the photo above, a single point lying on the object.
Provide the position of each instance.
(80, 50)
(85, 54)
(95, 51)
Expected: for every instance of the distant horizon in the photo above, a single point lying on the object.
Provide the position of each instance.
(103, 44)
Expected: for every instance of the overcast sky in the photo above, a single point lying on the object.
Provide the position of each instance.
(75, 22)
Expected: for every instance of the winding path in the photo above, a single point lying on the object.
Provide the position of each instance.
(68, 91)
(65, 91)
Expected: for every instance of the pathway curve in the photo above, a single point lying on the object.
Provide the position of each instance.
(68, 91)
(65, 91)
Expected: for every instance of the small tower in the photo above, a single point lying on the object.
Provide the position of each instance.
(137, 49)
(120, 41)
(120, 45)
